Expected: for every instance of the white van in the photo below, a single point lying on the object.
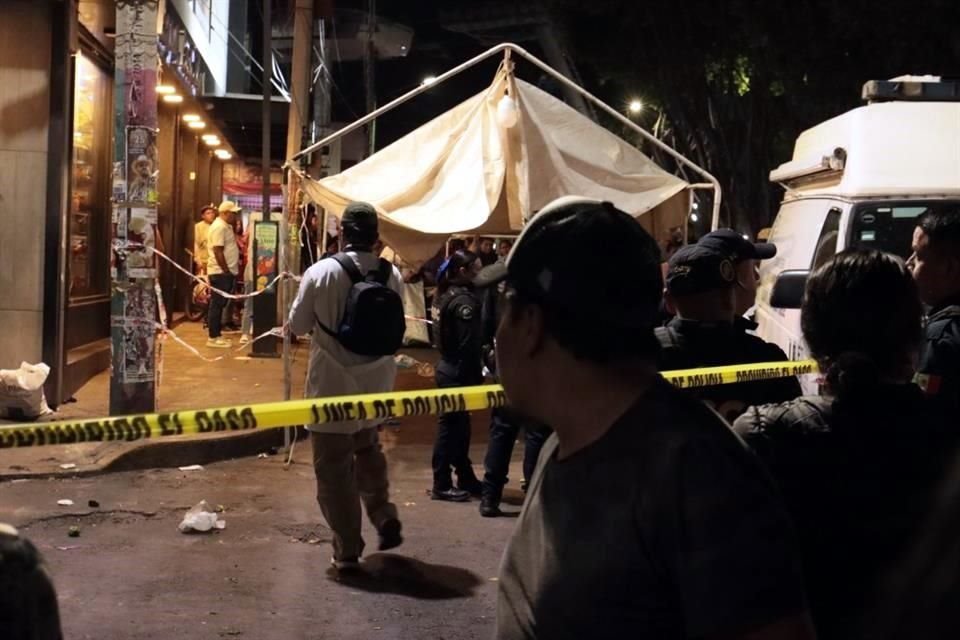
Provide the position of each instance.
(859, 180)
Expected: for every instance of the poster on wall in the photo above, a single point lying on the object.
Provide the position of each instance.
(265, 235)
(141, 164)
(141, 239)
(139, 330)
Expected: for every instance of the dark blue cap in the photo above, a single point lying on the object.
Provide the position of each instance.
(732, 243)
(696, 268)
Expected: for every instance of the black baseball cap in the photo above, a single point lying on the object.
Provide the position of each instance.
(730, 242)
(360, 219)
(583, 257)
(696, 268)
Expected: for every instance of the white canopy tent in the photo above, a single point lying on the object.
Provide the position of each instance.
(489, 163)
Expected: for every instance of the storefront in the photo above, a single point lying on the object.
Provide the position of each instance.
(56, 166)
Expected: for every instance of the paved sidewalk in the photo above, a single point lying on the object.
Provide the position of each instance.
(187, 382)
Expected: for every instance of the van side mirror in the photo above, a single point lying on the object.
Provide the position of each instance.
(788, 289)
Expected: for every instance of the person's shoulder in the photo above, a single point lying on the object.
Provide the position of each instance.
(801, 416)
(944, 325)
(761, 348)
(677, 415)
(323, 270)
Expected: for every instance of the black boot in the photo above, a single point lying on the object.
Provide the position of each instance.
(449, 495)
(467, 481)
(490, 505)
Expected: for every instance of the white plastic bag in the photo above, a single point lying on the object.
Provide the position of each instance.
(201, 518)
(21, 392)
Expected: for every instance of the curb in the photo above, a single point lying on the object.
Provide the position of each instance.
(167, 454)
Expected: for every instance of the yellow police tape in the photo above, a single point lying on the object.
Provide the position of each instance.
(374, 406)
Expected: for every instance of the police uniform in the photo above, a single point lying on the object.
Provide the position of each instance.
(458, 336)
(688, 343)
(938, 372)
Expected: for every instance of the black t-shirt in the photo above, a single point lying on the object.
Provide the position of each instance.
(665, 528)
(938, 373)
(857, 475)
(693, 344)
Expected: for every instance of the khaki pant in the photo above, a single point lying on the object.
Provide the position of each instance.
(351, 468)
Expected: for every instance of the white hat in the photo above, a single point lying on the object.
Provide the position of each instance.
(228, 207)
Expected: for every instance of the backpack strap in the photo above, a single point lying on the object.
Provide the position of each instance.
(349, 266)
(382, 273)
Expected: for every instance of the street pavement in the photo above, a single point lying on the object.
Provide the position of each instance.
(132, 574)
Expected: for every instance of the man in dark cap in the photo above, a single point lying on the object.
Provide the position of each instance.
(646, 516)
(746, 258)
(703, 288)
(347, 457)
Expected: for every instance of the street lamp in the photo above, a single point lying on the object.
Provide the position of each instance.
(635, 106)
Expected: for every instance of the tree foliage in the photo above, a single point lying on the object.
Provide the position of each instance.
(735, 81)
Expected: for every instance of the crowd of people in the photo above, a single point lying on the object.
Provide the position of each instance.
(743, 511)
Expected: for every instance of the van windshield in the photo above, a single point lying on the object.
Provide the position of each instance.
(888, 226)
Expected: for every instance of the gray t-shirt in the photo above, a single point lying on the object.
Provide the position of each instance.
(667, 527)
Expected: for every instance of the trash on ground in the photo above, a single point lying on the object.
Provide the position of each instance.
(93, 504)
(70, 547)
(192, 467)
(74, 532)
(68, 465)
(409, 504)
(65, 503)
(201, 518)
(262, 455)
(21, 392)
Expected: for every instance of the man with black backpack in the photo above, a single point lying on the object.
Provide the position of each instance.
(351, 303)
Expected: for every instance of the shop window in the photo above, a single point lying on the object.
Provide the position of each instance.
(90, 203)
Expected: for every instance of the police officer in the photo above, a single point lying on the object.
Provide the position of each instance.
(458, 337)
(701, 287)
(935, 266)
(504, 424)
(746, 257)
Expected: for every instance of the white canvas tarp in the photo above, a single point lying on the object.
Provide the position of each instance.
(464, 171)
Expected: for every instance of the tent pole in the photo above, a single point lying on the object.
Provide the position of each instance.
(508, 48)
(404, 98)
(632, 125)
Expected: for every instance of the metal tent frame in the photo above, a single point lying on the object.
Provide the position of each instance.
(508, 48)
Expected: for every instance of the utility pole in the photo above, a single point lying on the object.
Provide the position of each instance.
(266, 233)
(266, 77)
(299, 110)
(133, 298)
(369, 73)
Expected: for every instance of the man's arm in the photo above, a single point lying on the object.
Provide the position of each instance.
(221, 259)
(302, 315)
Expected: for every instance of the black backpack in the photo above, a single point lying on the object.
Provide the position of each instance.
(373, 322)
